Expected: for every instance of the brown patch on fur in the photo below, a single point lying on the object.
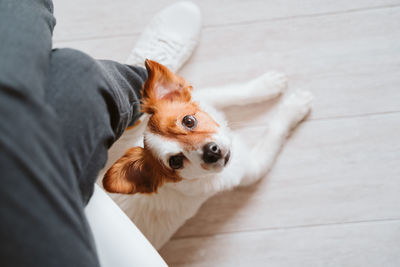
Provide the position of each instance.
(133, 126)
(137, 172)
(168, 98)
(162, 84)
(168, 123)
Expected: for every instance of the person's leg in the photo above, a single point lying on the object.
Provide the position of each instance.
(26, 28)
(41, 212)
(51, 152)
(95, 101)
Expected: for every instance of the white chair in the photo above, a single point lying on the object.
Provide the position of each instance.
(119, 242)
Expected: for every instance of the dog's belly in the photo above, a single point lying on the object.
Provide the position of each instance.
(159, 216)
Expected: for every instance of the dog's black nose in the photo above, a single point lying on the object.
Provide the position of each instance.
(211, 153)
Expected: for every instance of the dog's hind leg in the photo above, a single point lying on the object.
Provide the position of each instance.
(293, 109)
(264, 87)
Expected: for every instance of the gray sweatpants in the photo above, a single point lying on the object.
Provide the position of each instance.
(60, 110)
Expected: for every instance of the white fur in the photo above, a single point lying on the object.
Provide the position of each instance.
(160, 147)
(159, 215)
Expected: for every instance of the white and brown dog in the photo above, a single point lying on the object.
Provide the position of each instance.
(190, 154)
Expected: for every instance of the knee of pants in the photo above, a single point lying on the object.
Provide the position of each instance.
(75, 73)
(74, 78)
(73, 61)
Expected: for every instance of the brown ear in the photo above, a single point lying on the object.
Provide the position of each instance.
(162, 84)
(133, 173)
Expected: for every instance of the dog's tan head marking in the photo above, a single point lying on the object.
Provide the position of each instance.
(163, 86)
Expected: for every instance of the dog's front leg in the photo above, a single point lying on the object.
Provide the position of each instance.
(289, 114)
(265, 87)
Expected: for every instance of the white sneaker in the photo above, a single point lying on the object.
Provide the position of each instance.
(170, 38)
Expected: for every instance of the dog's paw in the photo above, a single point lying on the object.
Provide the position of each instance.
(297, 105)
(271, 84)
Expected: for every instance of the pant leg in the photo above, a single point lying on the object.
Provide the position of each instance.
(41, 215)
(41, 210)
(26, 28)
(51, 152)
(95, 101)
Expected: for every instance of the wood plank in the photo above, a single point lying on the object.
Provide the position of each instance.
(361, 244)
(331, 171)
(349, 61)
(101, 18)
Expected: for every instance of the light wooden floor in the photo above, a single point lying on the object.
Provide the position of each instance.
(333, 198)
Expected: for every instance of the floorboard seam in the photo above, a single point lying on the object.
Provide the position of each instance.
(296, 227)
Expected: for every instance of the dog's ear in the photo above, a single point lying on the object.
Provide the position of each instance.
(131, 174)
(137, 172)
(162, 84)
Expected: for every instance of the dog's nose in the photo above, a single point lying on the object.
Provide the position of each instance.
(211, 153)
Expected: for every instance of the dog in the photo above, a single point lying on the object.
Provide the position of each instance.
(189, 153)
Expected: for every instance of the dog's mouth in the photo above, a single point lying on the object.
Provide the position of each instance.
(227, 157)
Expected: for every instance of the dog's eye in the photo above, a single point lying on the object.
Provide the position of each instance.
(189, 121)
(176, 162)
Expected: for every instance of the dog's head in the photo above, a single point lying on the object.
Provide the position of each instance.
(182, 141)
